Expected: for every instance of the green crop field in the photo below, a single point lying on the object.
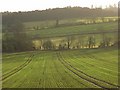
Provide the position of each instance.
(52, 23)
(84, 68)
(68, 30)
(63, 47)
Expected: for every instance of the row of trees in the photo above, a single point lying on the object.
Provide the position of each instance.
(15, 39)
(75, 43)
(59, 13)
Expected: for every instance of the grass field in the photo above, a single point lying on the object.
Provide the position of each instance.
(68, 30)
(84, 68)
(52, 23)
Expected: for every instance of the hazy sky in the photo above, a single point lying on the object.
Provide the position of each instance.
(28, 5)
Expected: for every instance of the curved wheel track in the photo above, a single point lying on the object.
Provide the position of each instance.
(84, 75)
(17, 69)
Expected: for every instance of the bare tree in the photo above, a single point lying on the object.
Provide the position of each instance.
(91, 42)
(48, 45)
(106, 41)
(57, 22)
(80, 42)
(69, 41)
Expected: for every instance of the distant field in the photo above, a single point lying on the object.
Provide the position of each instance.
(66, 53)
(68, 30)
(52, 23)
(78, 29)
(85, 68)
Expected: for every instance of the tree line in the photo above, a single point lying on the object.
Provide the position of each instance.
(15, 39)
(72, 42)
(58, 14)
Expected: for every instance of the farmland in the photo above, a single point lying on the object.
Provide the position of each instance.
(84, 68)
(71, 47)
(69, 30)
(52, 23)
